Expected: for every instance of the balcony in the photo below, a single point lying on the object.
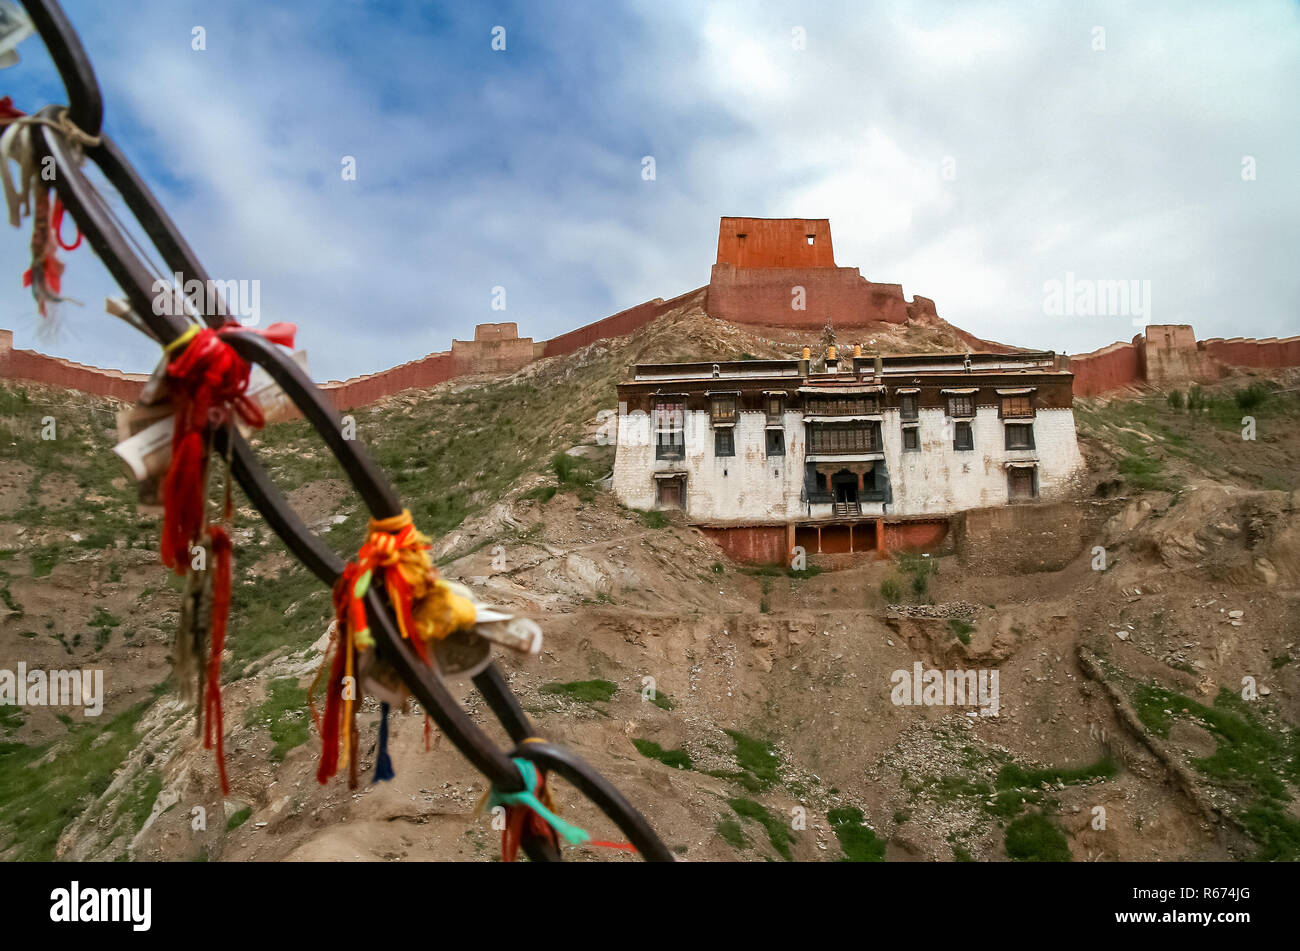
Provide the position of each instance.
(845, 509)
(844, 439)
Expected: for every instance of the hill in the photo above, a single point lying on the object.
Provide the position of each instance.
(772, 733)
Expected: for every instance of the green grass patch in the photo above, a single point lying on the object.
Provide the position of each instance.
(857, 840)
(663, 701)
(43, 561)
(1014, 776)
(757, 759)
(677, 759)
(39, 803)
(284, 714)
(1036, 838)
(652, 518)
(1258, 763)
(733, 834)
(584, 691)
(961, 629)
(237, 819)
(778, 832)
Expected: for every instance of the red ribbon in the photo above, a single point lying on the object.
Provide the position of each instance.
(207, 382)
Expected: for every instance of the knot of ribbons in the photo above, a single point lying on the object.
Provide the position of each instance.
(426, 608)
(533, 808)
(207, 384)
(32, 196)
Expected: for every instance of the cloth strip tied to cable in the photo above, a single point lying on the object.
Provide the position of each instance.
(31, 196)
(534, 805)
(426, 608)
(206, 384)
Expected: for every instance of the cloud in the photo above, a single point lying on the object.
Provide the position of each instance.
(523, 168)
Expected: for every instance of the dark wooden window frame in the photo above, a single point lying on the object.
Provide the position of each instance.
(724, 441)
(1021, 406)
(843, 438)
(915, 433)
(775, 442)
(1017, 428)
(967, 444)
(670, 441)
(959, 403)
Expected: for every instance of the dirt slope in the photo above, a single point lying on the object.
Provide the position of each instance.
(1121, 734)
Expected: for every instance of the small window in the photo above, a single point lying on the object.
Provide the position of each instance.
(775, 442)
(775, 406)
(670, 445)
(1020, 435)
(1021, 407)
(724, 409)
(1022, 484)
(907, 406)
(670, 429)
(911, 439)
(962, 405)
(811, 239)
(724, 443)
(963, 438)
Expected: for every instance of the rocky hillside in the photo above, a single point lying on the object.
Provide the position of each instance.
(1123, 733)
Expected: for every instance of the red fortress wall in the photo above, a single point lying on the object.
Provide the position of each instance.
(761, 262)
(39, 368)
(1171, 354)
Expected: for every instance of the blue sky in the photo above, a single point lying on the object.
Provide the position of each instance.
(522, 168)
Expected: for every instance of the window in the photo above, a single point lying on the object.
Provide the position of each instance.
(774, 407)
(844, 438)
(862, 405)
(960, 405)
(907, 406)
(963, 438)
(1020, 435)
(1021, 483)
(811, 239)
(775, 442)
(670, 429)
(911, 439)
(724, 442)
(670, 493)
(723, 409)
(1018, 406)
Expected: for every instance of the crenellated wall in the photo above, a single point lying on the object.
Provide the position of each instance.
(1109, 368)
(617, 325)
(54, 371)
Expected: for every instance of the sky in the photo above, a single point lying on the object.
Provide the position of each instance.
(973, 152)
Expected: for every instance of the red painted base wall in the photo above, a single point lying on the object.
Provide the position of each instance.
(765, 544)
(764, 296)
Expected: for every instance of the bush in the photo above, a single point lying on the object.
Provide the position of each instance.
(1251, 398)
(1176, 400)
(890, 591)
(1196, 400)
(1035, 838)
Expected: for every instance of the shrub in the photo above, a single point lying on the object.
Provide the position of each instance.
(1176, 400)
(890, 591)
(1251, 398)
(1035, 838)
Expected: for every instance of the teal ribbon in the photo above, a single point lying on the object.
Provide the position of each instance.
(528, 797)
